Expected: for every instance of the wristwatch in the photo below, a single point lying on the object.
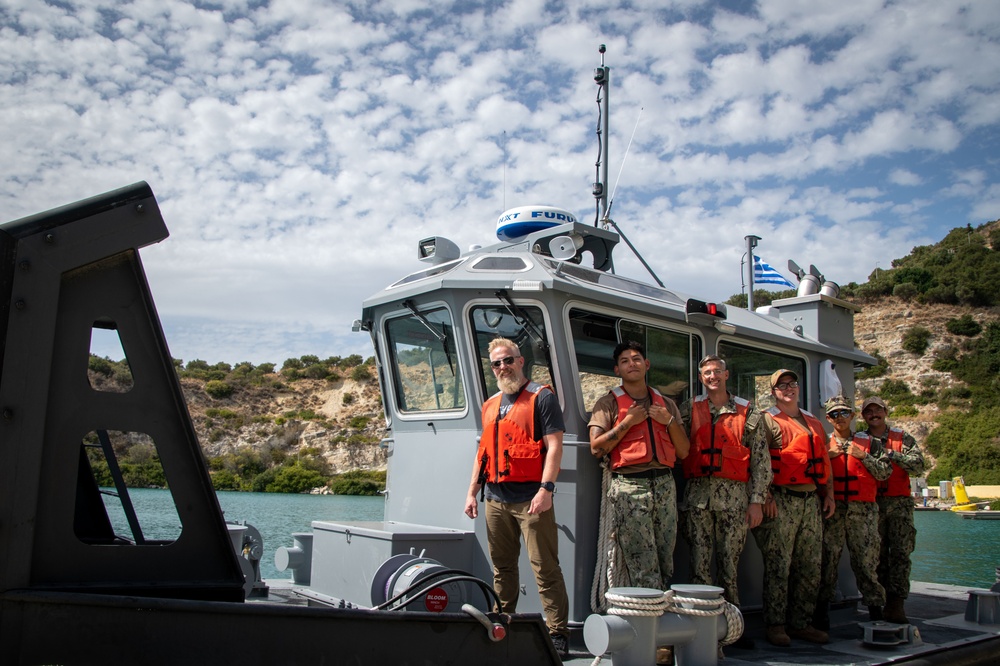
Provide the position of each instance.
(549, 486)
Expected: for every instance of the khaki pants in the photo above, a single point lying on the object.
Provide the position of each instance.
(506, 524)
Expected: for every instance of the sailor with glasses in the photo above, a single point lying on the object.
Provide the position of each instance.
(791, 536)
(858, 463)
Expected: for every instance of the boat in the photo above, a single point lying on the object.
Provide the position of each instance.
(981, 514)
(410, 589)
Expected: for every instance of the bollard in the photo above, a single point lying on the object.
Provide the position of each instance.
(298, 558)
(640, 619)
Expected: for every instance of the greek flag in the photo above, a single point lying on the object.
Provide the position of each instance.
(764, 273)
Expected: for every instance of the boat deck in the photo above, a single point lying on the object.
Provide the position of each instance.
(938, 612)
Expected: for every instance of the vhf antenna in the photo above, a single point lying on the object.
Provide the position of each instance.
(602, 76)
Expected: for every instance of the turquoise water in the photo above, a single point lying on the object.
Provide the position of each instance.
(275, 515)
(950, 549)
(955, 550)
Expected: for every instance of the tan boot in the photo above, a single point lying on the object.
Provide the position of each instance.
(810, 633)
(894, 610)
(664, 656)
(776, 635)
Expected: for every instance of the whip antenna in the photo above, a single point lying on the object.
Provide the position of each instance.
(622, 168)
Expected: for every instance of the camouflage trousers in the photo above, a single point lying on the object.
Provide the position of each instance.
(899, 538)
(721, 534)
(645, 512)
(792, 549)
(855, 523)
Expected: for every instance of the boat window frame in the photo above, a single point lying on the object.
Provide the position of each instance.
(437, 270)
(696, 338)
(390, 364)
(755, 346)
(473, 348)
(473, 266)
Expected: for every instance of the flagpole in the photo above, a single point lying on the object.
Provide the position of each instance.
(751, 244)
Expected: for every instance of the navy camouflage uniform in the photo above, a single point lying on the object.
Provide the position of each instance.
(855, 523)
(895, 522)
(792, 549)
(714, 509)
(645, 508)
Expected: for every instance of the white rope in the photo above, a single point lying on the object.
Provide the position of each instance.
(607, 572)
(734, 620)
(639, 606)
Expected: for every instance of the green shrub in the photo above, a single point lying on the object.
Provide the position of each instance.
(877, 370)
(294, 479)
(360, 373)
(906, 291)
(916, 340)
(218, 389)
(100, 365)
(964, 325)
(905, 410)
(359, 422)
(347, 398)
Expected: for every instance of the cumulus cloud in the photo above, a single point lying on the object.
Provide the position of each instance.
(298, 150)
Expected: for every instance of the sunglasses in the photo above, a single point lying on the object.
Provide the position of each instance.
(784, 386)
(840, 413)
(506, 360)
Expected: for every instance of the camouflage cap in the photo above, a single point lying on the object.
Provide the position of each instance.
(874, 400)
(838, 402)
(778, 375)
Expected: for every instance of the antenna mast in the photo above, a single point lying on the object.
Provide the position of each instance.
(602, 76)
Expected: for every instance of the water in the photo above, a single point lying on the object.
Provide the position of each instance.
(275, 515)
(950, 549)
(955, 550)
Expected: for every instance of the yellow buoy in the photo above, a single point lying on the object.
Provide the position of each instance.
(962, 502)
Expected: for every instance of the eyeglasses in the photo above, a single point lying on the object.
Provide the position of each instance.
(784, 386)
(839, 413)
(506, 360)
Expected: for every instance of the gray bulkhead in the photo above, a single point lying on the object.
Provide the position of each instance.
(431, 452)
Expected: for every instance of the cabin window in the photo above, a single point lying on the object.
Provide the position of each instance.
(506, 264)
(440, 269)
(525, 326)
(671, 355)
(425, 369)
(750, 372)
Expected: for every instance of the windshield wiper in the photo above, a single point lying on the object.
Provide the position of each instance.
(521, 317)
(441, 336)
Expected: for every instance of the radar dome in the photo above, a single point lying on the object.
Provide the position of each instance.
(523, 220)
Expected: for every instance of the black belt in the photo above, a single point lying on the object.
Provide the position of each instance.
(794, 493)
(648, 474)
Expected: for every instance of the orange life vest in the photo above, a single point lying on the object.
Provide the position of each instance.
(802, 458)
(636, 447)
(508, 450)
(852, 482)
(898, 484)
(717, 448)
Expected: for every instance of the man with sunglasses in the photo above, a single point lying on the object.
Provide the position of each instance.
(518, 460)
(895, 507)
(858, 463)
(791, 536)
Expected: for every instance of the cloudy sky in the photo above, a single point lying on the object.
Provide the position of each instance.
(299, 148)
